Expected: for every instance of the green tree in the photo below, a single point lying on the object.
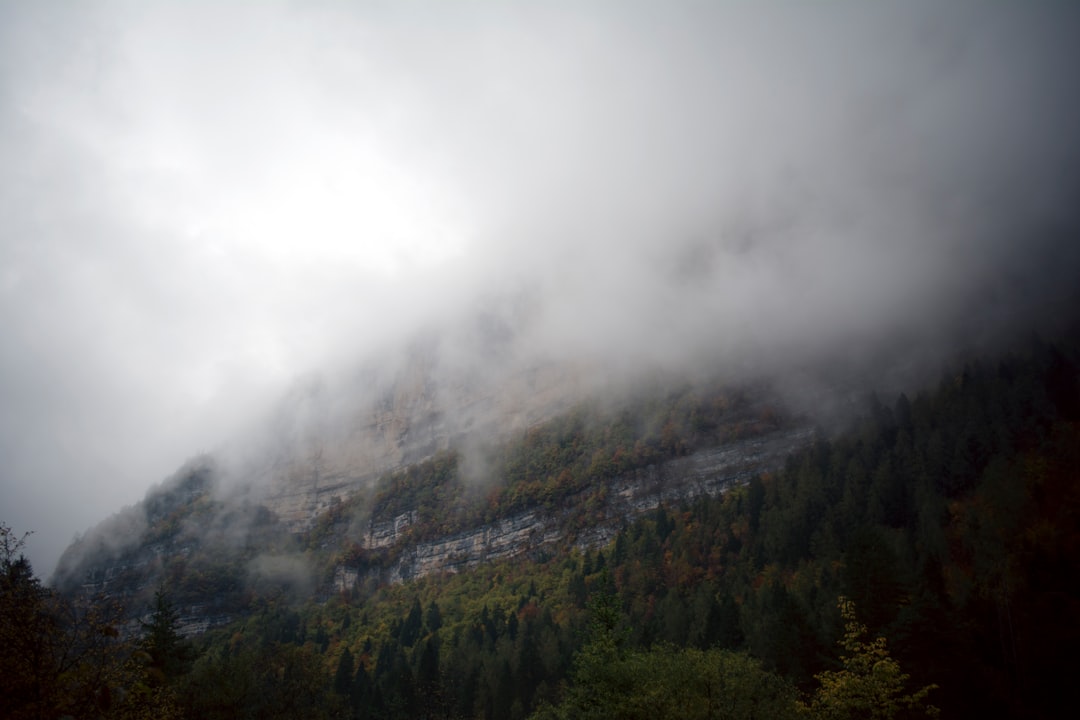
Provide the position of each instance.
(413, 625)
(343, 677)
(610, 680)
(169, 655)
(27, 675)
(870, 685)
(669, 682)
(60, 657)
(433, 617)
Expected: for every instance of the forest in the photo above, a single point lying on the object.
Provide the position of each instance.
(923, 562)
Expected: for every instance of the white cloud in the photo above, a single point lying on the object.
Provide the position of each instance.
(200, 202)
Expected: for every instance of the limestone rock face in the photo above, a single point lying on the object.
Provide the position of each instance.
(388, 533)
(184, 532)
(710, 472)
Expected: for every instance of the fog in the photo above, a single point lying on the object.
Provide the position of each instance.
(202, 205)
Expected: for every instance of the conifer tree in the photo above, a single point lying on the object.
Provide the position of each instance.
(170, 655)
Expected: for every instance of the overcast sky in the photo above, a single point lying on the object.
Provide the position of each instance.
(200, 202)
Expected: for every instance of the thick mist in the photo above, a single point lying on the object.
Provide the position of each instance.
(207, 209)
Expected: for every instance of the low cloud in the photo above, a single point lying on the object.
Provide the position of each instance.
(281, 575)
(199, 205)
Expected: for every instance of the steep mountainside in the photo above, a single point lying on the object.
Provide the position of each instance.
(936, 537)
(442, 503)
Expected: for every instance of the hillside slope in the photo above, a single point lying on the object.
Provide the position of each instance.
(572, 480)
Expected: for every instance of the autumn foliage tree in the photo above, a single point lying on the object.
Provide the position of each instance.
(870, 684)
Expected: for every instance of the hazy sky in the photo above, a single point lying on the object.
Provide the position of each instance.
(201, 201)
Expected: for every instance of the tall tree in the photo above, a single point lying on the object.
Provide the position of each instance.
(27, 679)
(60, 657)
(343, 677)
(169, 655)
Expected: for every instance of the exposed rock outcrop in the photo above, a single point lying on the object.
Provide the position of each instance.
(591, 518)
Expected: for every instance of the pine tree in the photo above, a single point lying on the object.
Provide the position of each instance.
(26, 672)
(433, 617)
(169, 654)
(412, 626)
(343, 678)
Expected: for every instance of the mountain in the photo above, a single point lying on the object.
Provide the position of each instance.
(704, 519)
(426, 471)
(437, 529)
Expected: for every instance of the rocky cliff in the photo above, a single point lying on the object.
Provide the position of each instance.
(590, 519)
(224, 531)
(216, 554)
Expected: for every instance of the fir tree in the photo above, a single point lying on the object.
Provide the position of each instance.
(169, 654)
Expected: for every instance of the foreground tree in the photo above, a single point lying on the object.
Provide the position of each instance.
(65, 658)
(169, 656)
(27, 677)
(610, 681)
(670, 682)
(871, 684)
